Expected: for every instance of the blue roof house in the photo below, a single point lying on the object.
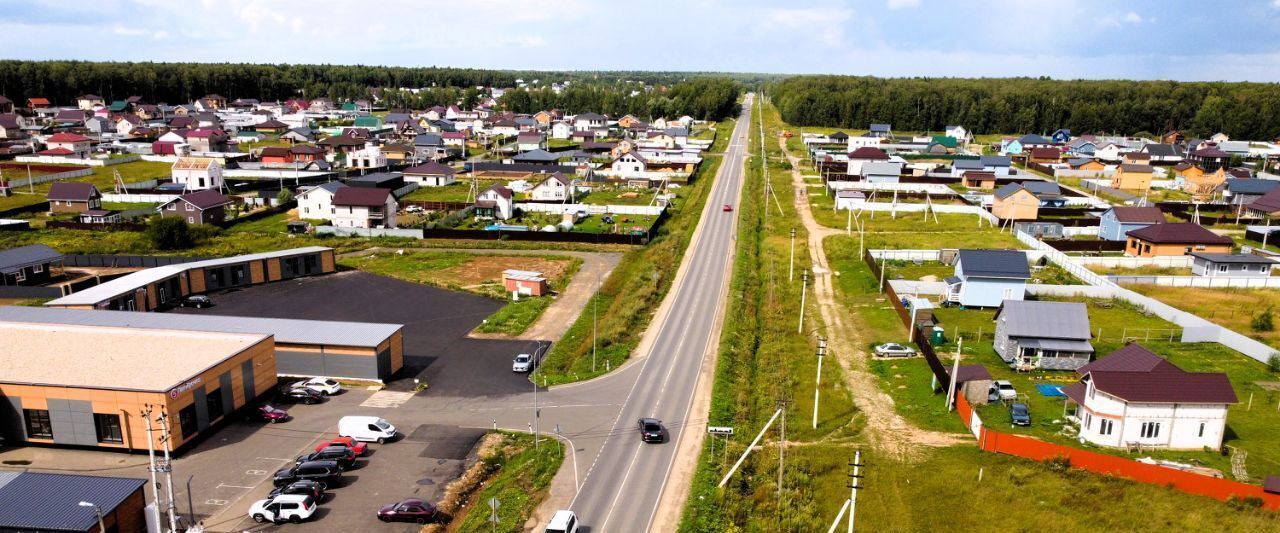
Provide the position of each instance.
(1013, 147)
(1061, 136)
(986, 278)
(1117, 222)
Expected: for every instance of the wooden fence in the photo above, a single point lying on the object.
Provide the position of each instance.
(917, 336)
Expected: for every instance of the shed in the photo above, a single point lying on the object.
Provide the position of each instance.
(31, 501)
(525, 282)
(974, 381)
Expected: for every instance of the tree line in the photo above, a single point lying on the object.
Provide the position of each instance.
(700, 98)
(1032, 105)
(63, 81)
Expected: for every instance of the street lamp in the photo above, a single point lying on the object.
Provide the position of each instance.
(97, 511)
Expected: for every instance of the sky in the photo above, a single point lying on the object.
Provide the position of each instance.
(1237, 40)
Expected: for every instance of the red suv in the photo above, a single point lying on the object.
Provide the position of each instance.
(346, 442)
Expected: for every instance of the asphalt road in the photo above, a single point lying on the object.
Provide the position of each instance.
(622, 489)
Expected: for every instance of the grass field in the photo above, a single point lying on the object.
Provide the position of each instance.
(1234, 309)
(455, 192)
(937, 271)
(519, 478)
(102, 177)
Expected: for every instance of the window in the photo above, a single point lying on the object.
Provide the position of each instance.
(216, 409)
(108, 427)
(1105, 426)
(191, 220)
(1222, 268)
(20, 275)
(1149, 430)
(38, 425)
(187, 421)
(172, 206)
(36, 269)
(1146, 248)
(1088, 420)
(1201, 432)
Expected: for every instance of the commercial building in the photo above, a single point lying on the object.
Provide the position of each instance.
(89, 386)
(355, 350)
(31, 501)
(149, 289)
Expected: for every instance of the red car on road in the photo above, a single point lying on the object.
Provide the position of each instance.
(410, 510)
(347, 442)
(728, 207)
(272, 414)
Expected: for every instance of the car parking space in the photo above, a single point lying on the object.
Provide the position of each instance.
(436, 323)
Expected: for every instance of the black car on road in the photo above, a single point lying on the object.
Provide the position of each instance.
(345, 457)
(651, 430)
(326, 473)
(198, 301)
(301, 395)
(315, 489)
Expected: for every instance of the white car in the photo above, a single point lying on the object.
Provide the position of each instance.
(283, 508)
(522, 363)
(893, 349)
(366, 429)
(322, 385)
(1001, 390)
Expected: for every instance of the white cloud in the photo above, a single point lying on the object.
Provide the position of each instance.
(1134, 18)
(129, 32)
(1115, 21)
(899, 4)
(822, 25)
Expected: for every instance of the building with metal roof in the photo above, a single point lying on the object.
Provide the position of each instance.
(31, 501)
(1043, 334)
(27, 265)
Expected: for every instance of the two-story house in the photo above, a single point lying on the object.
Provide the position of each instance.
(364, 207)
(197, 208)
(1117, 222)
(986, 278)
(68, 145)
(73, 197)
(495, 203)
(553, 188)
(197, 173)
(316, 202)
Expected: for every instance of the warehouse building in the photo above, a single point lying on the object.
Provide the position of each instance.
(88, 386)
(31, 501)
(147, 290)
(354, 350)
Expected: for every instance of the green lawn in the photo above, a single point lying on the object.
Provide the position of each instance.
(126, 206)
(455, 192)
(520, 476)
(909, 270)
(102, 177)
(515, 317)
(622, 196)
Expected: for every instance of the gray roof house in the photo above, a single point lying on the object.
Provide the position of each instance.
(27, 265)
(880, 130)
(1047, 335)
(1233, 265)
(881, 172)
(987, 278)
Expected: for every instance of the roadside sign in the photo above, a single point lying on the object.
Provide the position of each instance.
(493, 503)
(720, 430)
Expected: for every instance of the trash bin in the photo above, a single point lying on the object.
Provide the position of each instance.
(936, 336)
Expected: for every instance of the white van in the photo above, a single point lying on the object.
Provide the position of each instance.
(366, 428)
(563, 522)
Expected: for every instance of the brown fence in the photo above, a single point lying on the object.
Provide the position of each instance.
(1067, 245)
(917, 336)
(436, 206)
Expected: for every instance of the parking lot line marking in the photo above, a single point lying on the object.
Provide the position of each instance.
(274, 459)
(226, 486)
(215, 502)
(255, 472)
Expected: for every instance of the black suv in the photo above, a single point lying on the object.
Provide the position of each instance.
(345, 457)
(327, 473)
(314, 489)
(300, 395)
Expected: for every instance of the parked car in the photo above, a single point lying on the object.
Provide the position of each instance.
(359, 447)
(1021, 414)
(366, 428)
(272, 414)
(285, 507)
(414, 209)
(300, 395)
(522, 363)
(893, 349)
(563, 522)
(305, 487)
(1001, 390)
(322, 385)
(651, 430)
(409, 510)
(345, 457)
(326, 473)
(198, 301)
(728, 207)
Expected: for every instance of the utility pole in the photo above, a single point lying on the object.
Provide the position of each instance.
(804, 288)
(151, 463)
(854, 486)
(782, 446)
(594, 299)
(791, 270)
(168, 470)
(822, 350)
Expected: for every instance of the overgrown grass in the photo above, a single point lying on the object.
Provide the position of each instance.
(515, 317)
(102, 177)
(632, 293)
(519, 480)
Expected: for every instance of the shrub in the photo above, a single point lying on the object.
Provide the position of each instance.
(167, 233)
(284, 196)
(1241, 504)
(1263, 321)
(1273, 362)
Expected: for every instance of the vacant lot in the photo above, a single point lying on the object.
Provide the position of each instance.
(1234, 309)
(455, 192)
(937, 271)
(102, 177)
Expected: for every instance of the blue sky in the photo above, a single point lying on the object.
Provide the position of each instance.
(1146, 39)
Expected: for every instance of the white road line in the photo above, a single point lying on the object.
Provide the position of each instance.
(274, 459)
(226, 486)
(614, 504)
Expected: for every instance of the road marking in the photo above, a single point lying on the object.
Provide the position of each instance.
(255, 472)
(386, 399)
(226, 486)
(216, 502)
(274, 459)
(483, 409)
(614, 504)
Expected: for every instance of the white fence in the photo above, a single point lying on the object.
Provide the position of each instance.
(370, 232)
(35, 180)
(1061, 259)
(931, 188)
(1180, 261)
(138, 198)
(540, 207)
(1243, 282)
(642, 175)
(274, 174)
(160, 158)
(1069, 173)
(1072, 231)
(920, 208)
(907, 255)
(53, 160)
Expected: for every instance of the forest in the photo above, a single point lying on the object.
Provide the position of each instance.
(700, 98)
(62, 81)
(1032, 105)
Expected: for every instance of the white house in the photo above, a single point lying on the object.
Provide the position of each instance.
(554, 188)
(530, 141)
(959, 133)
(859, 142)
(369, 157)
(1110, 151)
(561, 130)
(317, 202)
(495, 202)
(198, 173)
(1135, 397)
(589, 121)
(364, 207)
(630, 164)
(430, 174)
(1234, 265)
(849, 199)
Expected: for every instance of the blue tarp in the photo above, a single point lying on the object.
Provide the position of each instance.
(1050, 390)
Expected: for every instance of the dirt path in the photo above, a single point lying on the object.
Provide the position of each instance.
(886, 429)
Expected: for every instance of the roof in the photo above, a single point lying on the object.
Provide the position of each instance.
(430, 168)
(1163, 150)
(1133, 167)
(1210, 152)
(589, 116)
(1251, 186)
(882, 168)
(13, 259)
(1179, 233)
(287, 331)
(945, 140)
(330, 187)
(206, 199)
(964, 164)
(1077, 162)
(979, 175)
(1010, 189)
(127, 283)
(869, 152)
(194, 163)
(1235, 258)
(1046, 153)
(994, 264)
(1135, 374)
(112, 358)
(1138, 215)
(523, 275)
(271, 124)
(74, 191)
(501, 190)
(55, 151)
(967, 373)
(1032, 138)
(64, 137)
(536, 155)
(1268, 202)
(880, 128)
(996, 160)
(361, 196)
(1043, 319)
(39, 501)
(1043, 189)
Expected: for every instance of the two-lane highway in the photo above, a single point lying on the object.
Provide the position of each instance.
(622, 490)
